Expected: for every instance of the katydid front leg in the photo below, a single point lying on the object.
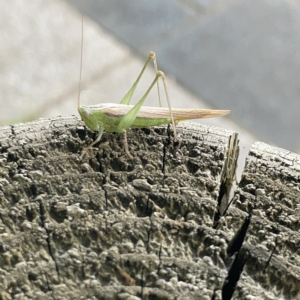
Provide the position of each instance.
(93, 143)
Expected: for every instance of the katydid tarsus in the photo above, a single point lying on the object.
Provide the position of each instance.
(113, 117)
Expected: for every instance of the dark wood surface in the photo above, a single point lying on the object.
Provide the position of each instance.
(154, 226)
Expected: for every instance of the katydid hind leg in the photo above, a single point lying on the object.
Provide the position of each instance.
(128, 119)
(127, 98)
(130, 116)
(169, 105)
(153, 56)
(156, 71)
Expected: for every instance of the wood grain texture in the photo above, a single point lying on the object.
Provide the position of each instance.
(157, 226)
(269, 192)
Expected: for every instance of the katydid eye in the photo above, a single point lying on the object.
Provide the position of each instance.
(86, 112)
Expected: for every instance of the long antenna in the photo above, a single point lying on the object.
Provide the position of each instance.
(79, 85)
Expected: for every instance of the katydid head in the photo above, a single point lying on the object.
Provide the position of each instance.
(89, 118)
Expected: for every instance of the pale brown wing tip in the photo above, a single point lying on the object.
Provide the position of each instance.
(225, 112)
(219, 112)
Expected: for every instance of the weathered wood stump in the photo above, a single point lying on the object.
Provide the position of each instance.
(158, 226)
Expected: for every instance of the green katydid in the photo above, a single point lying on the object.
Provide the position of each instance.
(113, 117)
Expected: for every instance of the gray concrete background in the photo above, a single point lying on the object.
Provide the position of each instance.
(238, 55)
(241, 54)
